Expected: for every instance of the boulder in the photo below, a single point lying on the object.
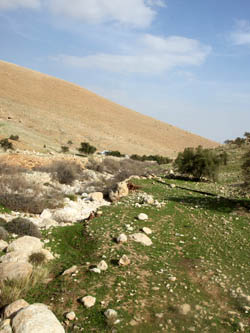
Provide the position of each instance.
(67, 214)
(141, 238)
(96, 196)
(26, 244)
(14, 307)
(15, 270)
(15, 256)
(121, 190)
(47, 223)
(46, 214)
(36, 318)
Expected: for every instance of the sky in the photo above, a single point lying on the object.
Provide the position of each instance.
(185, 62)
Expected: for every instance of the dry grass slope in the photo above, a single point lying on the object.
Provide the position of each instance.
(45, 110)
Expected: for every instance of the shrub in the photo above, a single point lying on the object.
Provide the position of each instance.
(65, 172)
(87, 148)
(37, 258)
(246, 169)
(115, 153)
(11, 290)
(19, 194)
(198, 162)
(157, 158)
(14, 137)
(70, 142)
(64, 149)
(3, 233)
(5, 144)
(223, 157)
(6, 169)
(22, 226)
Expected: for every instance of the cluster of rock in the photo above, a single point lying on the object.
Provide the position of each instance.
(21, 317)
(73, 210)
(15, 264)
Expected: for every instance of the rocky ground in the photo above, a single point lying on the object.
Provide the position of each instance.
(149, 255)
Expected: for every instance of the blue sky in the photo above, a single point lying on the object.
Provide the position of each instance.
(185, 62)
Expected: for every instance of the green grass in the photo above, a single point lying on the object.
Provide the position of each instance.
(4, 210)
(203, 241)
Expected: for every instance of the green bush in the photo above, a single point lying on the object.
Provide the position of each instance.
(22, 226)
(3, 233)
(14, 137)
(115, 153)
(198, 162)
(224, 157)
(87, 148)
(64, 149)
(156, 158)
(246, 169)
(5, 144)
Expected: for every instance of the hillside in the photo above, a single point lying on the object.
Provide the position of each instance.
(44, 110)
(167, 255)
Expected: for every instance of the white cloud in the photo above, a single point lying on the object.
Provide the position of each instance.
(13, 4)
(157, 3)
(137, 13)
(241, 35)
(150, 55)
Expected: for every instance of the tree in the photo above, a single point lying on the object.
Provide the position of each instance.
(65, 149)
(6, 144)
(87, 148)
(198, 162)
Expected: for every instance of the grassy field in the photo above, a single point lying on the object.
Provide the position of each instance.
(200, 256)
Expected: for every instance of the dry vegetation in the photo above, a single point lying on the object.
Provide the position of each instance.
(43, 110)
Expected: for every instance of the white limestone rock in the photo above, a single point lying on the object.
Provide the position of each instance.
(142, 217)
(15, 256)
(70, 270)
(141, 238)
(15, 270)
(88, 301)
(36, 318)
(14, 307)
(110, 314)
(26, 244)
(102, 265)
(147, 230)
(71, 315)
(122, 238)
(96, 196)
(124, 260)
